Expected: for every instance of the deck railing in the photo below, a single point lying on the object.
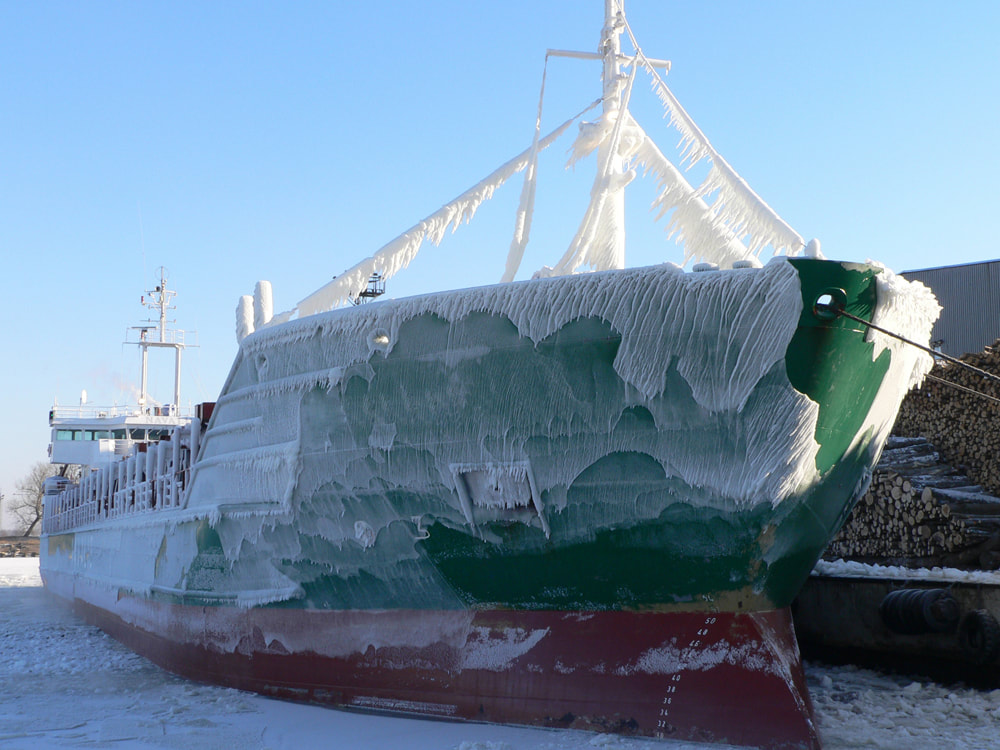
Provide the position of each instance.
(88, 411)
(154, 477)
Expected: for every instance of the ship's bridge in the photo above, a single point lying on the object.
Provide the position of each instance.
(95, 436)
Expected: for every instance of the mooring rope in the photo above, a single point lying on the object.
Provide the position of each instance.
(973, 391)
(932, 352)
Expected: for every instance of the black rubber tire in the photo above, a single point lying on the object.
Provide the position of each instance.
(941, 611)
(917, 611)
(897, 612)
(979, 636)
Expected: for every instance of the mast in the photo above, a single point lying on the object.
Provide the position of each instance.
(159, 299)
(610, 49)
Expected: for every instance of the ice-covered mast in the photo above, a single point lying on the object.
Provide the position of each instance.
(722, 220)
(600, 239)
(609, 160)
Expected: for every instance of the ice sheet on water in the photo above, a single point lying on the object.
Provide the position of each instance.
(122, 697)
(859, 709)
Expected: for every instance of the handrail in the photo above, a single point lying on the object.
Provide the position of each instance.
(152, 478)
(86, 411)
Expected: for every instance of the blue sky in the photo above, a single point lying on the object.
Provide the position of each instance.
(237, 141)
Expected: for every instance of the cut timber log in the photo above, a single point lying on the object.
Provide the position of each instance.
(935, 518)
(933, 496)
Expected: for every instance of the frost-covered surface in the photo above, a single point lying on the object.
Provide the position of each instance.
(339, 438)
(708, 324)
(66, 685)
(263, 304)
(671, 658)
(706, 313)
(471, 390)
(908, 309)
(852, 569)
(487, 652)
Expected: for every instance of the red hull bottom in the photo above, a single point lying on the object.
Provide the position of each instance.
(723, 677)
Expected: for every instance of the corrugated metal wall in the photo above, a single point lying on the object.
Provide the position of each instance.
(970, 299)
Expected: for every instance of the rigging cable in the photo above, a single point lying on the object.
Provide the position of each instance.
(956, 386)
(932, 352)
(928, 350)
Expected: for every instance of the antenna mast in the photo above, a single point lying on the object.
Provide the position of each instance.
(159, 299)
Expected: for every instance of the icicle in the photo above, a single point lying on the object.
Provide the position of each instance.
(735, 226)
(691, 221)
(737, 205)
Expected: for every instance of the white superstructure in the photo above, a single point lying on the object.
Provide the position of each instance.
(132, 457)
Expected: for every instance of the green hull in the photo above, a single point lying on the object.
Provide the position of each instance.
(472, 456)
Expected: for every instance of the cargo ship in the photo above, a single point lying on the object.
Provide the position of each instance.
(581, 500)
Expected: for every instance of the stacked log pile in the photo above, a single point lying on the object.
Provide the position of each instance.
(921, 512)
(932, 498)
(961, 424)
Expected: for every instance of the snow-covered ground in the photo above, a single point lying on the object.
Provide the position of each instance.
(853, 569)
(64, 684)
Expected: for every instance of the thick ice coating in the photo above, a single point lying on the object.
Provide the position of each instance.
(471, 393)
(622, 402)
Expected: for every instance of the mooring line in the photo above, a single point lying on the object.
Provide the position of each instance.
(973, 391)
(932, 352)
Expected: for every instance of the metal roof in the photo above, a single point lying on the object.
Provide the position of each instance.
(969, 295)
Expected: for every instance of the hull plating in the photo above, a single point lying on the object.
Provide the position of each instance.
(711, 677)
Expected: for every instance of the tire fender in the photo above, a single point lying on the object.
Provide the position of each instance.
(979, 636)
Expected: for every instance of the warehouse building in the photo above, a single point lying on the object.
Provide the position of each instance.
(970, 300)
